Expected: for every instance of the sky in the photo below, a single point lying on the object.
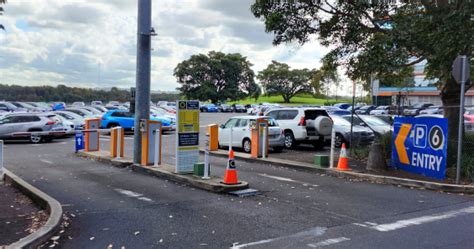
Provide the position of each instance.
(92, 43)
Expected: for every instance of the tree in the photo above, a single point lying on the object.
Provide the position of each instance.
(321, 80)
(1, 11)
(279, 79)
(216, 77)
(376, 37)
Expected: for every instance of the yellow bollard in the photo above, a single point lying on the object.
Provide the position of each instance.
(114, 140)
(213, 130)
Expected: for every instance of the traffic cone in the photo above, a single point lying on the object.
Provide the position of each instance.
(230, 177)
(342, 164)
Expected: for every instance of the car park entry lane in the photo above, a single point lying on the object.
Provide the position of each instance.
(426, 161)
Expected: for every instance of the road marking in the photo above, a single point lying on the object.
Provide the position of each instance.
(46, 161)
(329, 242)
(132, 194)
(284, 179)
(418, 221)
(315, 232)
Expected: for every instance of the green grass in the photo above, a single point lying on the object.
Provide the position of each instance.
(304, 99)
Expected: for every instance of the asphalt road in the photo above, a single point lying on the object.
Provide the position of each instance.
(295, 209)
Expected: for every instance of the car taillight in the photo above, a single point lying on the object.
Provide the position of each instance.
(51, 123)
(302, 122)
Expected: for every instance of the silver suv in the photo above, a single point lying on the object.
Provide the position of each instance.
(15, 123)
(303, 125)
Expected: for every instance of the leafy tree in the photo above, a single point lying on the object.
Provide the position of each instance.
(376, 37)
(1, 11)
(216, 77)
(279, 79)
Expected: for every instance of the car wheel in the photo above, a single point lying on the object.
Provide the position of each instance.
(36, 139)
(278, 149)
(247, 145)
(338, 141)
(289, 140)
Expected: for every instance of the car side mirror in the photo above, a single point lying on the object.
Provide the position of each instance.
(222, 126)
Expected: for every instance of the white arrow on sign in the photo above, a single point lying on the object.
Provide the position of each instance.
(79, 141)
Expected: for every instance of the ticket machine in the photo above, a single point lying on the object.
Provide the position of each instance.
(151, 142)
(259, 138)
(92, 137)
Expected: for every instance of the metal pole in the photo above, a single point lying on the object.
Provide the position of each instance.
(119, 141)
(142, 98)
(230, 140)
(157, 148)
(333, 141)
(352, 116)
(264, 149)
(1, 160)
(206, 158)
(461, 121)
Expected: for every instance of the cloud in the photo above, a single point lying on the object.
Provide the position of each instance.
(92, 43)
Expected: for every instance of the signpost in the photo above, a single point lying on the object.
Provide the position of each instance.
(79, 142)
(187, 135)
(420, 146)
(460, 74)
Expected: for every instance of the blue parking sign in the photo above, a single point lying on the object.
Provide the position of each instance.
(420, 145)
(79, 142)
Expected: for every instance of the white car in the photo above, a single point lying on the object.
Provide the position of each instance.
(303, 125)
(76, 119)
(381, 110)
(242, 133)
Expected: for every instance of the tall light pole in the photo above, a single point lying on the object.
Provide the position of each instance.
(142, 97)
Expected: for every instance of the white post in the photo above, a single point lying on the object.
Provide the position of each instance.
(1, 160)
(157, 149)
(333, 141)
(264, 149)
(119, 141)
(230, 141)
(206, 158)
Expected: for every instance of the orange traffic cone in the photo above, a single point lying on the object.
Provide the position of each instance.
(342, 164)
(230, 177)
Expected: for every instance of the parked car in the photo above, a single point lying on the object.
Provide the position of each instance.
(168, 104)
(360, 135)
(59, 106)
(64, 125)
(96, 102)
(82, 112)
(28, 122)
(94, 111)
(469, 114)
(344, 106)
(9, 107)
(78, 104)
(365, 110)
(159, 112)
(433, 110)
(208, 108)
(26, 106)
(377, 125)
(416, 109)
(113, 103)
(303, 125)
(251, 109)
(126, 120)
(332, 110)
(242, 133)
(224, 108)
(100, 108)
(76, 119)
(383, 110)
(239, 108)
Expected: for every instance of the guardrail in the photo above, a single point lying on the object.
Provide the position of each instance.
(57, 133)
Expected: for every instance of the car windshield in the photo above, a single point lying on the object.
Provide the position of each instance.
(381, 107)
(373, 121)
(366, 107)
(340, 121)
(470, 112)
(211, 105)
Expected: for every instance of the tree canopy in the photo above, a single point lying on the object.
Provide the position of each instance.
(279, 79)
(1, 11)
(216, 77)
(379, 38)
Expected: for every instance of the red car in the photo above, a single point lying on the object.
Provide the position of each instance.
(469, 115)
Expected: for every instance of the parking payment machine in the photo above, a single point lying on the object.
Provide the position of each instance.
(92, 137)
(259, 138)
(151, 142)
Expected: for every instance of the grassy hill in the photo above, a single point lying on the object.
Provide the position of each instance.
(303, 99)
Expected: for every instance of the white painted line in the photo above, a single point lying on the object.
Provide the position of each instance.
(329, 242)
(132, 194)
(314, 232)
(419, 220)
(284, 179)
(46, 161)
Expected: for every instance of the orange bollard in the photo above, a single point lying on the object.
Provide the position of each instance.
(230, 177)
(342, 164)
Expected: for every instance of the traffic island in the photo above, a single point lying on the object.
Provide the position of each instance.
(43, 222)
(371, 177)
(166, 171)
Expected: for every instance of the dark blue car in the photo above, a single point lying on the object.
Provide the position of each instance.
(209, 108)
